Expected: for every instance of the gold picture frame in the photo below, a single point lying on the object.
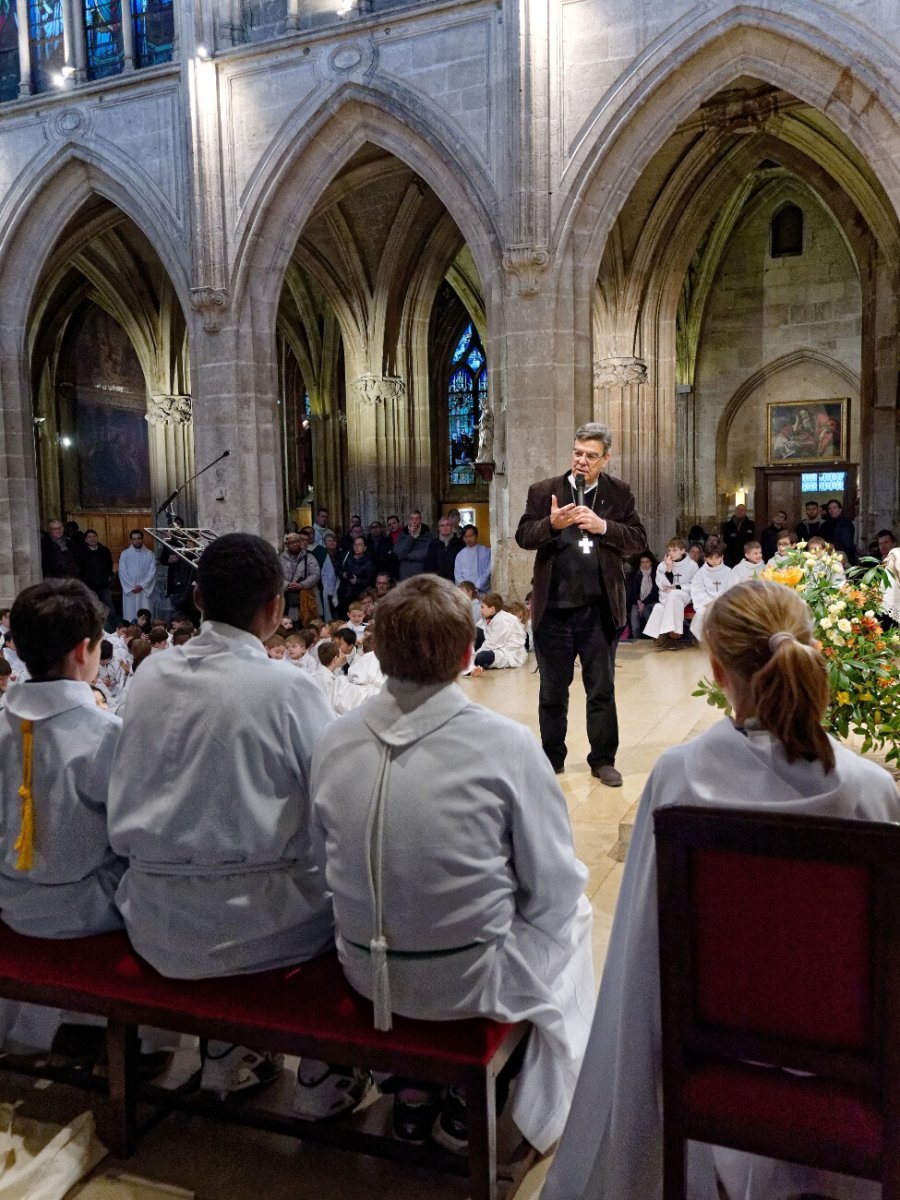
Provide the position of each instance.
(807, 431)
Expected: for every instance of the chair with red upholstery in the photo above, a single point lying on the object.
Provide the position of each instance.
(780, 945)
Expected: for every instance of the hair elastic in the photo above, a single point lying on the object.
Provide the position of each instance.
(783, 635)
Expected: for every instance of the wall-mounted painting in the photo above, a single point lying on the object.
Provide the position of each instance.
(805, 431)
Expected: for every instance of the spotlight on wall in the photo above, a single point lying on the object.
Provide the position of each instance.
(346, 7)
(67, 71)
(65, 442)
(58, 79)
(203, 53)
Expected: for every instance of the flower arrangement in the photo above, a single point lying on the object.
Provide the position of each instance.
(862, 656)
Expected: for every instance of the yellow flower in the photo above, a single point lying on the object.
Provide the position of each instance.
(843, 697)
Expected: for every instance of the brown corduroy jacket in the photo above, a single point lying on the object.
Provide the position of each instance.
(624, 535)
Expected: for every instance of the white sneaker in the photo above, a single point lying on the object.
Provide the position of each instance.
(229, 1069)
(325, 1091)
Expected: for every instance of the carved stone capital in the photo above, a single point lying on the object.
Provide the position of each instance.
(370, 390)
(210, 303)
(619, 371)
(169, 410)
(525, 264)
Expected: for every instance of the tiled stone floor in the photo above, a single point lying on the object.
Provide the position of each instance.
(656, 710)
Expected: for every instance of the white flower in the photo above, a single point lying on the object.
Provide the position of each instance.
(826, 622)
(838, 606)
(836, 638)
(870, 613)
(844, 625)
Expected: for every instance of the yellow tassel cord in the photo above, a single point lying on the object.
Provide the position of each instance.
(25, 841)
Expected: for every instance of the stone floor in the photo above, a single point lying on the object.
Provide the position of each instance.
(656, 710)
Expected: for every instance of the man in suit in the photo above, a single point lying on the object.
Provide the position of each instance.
(578, 600)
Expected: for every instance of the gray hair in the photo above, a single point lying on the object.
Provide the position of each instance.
(593, 431)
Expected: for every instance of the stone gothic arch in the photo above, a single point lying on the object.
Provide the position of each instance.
(821, 134)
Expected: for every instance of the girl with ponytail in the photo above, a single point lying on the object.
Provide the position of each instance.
(772, 754)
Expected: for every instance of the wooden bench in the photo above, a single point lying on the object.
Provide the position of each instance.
(308, 1010)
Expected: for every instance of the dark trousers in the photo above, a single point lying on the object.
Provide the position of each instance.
(563, 635)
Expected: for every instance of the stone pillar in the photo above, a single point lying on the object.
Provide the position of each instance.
(24, 48)
(381, 440)
(127, 37)
(171, 452)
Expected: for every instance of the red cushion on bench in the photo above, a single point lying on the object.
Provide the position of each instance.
(313, 998)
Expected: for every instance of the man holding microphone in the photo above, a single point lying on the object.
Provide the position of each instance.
(583, 526)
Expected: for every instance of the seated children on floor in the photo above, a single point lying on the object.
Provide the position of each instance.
(475, 900)
(504, 637)
(711, 581)
(673, 578)
(750, 566)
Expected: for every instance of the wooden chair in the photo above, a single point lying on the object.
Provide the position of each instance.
(780, 945)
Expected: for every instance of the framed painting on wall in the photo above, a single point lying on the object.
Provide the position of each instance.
(805, 431)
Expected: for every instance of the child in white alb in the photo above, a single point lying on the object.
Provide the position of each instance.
(19, 670)
(364, 679)
(504, 637)
(782, 546)
(356, 619)
(674, 576)
(711, 581)
(112, 676)
(750, 565)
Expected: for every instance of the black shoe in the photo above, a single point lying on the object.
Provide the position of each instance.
(451, 1129)
(415, 1110)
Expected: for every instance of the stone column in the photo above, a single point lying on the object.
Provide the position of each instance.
(24, 48)
(127, 37)
(171, 452)
(381, 445)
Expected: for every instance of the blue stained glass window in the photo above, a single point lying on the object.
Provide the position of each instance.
(9, 50)
(466, 397)
(45, 20)
(823, 481)
(154, 32)
(103, 30)
(463, 344)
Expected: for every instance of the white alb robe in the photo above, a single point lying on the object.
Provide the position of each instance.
(221, 878)
(707, 584)
(137, 568)
(612, 1147)
(70, 889)
(668, 615)
(745, 570)
(504, 633)
(363, 680)
(477, 860)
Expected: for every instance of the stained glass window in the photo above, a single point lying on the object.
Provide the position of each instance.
(466, 398)
(45, 19)
(9, 50)
(103, 31)
(823, 481)
(154, 32)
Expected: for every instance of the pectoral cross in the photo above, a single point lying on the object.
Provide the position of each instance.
(718, 584)
(676, 575)
(586, 544)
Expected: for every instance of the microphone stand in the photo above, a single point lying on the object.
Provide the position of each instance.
(167, 503)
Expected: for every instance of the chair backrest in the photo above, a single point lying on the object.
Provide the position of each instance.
(780, 941)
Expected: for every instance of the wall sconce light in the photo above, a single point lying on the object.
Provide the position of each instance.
(203, 53)
(65, 442)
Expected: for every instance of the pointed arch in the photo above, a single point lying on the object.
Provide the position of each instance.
(310, 150)
(50, 193)
(775, 367)
(826, 62)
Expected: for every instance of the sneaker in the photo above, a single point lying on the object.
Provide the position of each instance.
(451, 1129)
(232, 1070)
(326, 1091)
(415, 1110)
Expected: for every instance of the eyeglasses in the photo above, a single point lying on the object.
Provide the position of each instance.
(588, 455)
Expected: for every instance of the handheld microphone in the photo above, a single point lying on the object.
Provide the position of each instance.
(579, 489)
